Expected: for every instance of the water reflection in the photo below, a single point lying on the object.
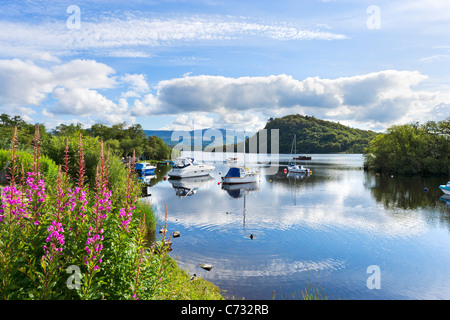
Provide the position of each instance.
(239, 190)
(410, 193)
(339, 220)
(445, 199)
(189, 186)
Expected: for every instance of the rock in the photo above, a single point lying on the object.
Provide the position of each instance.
(205, 266)
(163, 230)
(176, 234)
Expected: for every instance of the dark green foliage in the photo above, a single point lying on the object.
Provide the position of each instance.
(412, 149)
(316, 136)
(120, 140)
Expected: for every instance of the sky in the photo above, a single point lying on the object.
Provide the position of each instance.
(183, 65)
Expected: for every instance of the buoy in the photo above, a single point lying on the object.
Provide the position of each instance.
(251, 236)
(164, 178)
(218, 183)
(285, 170)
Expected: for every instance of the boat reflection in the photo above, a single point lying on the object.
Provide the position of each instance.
(445, 199)
(238, 190)
(146, 184)
(189, 186)
(297, 175)
(241, 190)
(146, 180)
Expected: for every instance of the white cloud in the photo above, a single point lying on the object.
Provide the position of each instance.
(381, 97)
(82, 102)
(23, 83)
(84, 74)
(137, 82)
(71, 84)
(120, 37)
(371, 101)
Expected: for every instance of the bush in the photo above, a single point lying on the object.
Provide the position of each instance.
(412, 149)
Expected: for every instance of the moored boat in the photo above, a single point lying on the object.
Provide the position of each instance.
(445, 188)
(302, 158)
(294, 167)
(239, 175)
(144, 169)
(186, 167)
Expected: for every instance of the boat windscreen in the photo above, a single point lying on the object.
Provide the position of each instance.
(233, 173)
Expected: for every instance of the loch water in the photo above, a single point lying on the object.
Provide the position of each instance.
(345, 232)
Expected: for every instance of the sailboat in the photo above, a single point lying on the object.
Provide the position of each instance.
(294, 167)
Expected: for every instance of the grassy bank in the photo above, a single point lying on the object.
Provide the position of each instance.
(181, 286)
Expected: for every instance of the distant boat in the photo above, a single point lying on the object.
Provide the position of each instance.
(144, 169)
(302, 158)
(294, 167)
(231, 159)
(186, 167)
(445, 188)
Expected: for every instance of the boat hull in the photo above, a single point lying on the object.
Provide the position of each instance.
(248, 178)
(145, 172)
(445, 189)
(298, 170)
(198, 172)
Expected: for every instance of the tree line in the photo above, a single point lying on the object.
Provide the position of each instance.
(411, 149)
(312, 136)
(119, 140)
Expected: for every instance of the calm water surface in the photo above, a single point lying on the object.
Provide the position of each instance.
(325, 229)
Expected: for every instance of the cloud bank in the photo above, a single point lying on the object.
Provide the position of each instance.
(87, 88)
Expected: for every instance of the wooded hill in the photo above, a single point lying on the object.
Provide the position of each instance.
(316, 136)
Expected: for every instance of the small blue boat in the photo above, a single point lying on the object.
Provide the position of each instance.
(144, 169)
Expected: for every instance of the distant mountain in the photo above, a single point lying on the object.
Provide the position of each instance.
(197, 139)
(312, 136)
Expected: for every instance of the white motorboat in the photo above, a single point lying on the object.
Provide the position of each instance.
(186, 167)
(237, 174)
(445, 188)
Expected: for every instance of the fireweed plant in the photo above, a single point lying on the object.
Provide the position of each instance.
(48, 230)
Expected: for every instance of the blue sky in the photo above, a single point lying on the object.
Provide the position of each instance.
(225, 64)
